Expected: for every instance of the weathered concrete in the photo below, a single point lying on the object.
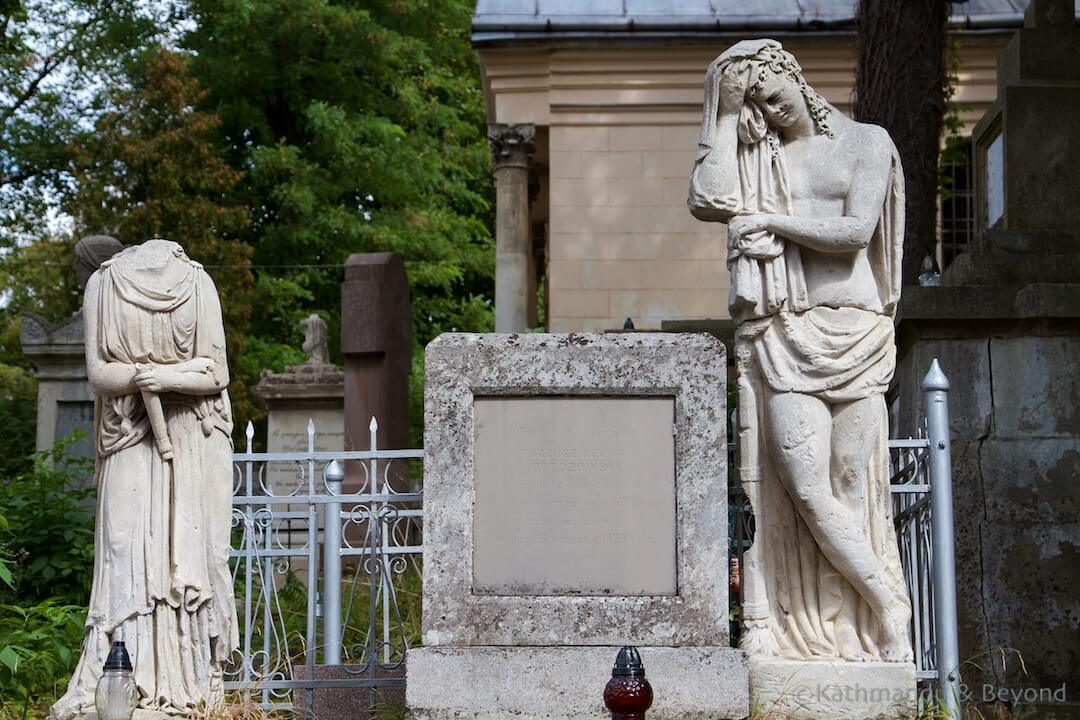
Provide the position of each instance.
(349, 703)
(689, 368)
(814, 690)
(567, 683)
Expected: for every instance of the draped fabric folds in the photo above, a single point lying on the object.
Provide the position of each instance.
(161, 578)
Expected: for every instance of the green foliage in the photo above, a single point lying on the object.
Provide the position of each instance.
(18, 395)
(55, 56)
(36, 657)
(361, 127)
(52, 552)
(45, 571)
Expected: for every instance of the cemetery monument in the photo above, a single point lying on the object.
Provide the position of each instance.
(814, 206)
(575, 491)
(155, 357)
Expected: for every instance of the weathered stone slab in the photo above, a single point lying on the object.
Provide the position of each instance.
(567, 683)
(574, 496)
(686, 372)
(817, 689)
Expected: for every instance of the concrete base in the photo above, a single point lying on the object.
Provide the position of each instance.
(567, 683)
(812, 690)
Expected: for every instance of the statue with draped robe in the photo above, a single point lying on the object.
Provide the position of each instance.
(814, 206)
(155, 357)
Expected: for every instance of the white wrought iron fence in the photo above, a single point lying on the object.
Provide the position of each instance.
(321, 555)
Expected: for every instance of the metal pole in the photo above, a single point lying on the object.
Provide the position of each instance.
(936, 389)
(384, 568)
(313, 604)
(334, 475)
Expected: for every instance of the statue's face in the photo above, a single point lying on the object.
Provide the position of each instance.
(780, 100)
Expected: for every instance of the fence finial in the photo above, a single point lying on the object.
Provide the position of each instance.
(374, 425)
(935, 379)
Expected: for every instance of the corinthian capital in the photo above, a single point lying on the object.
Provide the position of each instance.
(512, 144)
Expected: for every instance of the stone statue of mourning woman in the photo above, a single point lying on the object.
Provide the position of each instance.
(155, 358)
(813, 203)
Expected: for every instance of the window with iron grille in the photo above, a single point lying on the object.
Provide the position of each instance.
(956, 215)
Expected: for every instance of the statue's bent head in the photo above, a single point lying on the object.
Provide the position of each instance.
(774, 83)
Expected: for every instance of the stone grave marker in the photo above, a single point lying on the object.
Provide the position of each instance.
(575, 501)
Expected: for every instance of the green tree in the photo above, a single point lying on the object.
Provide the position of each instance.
(153, 166)
(55, 58)
(361, 127)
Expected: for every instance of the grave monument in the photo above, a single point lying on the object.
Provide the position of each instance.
(575, 502)
(58, 351)
(814, 206)
(1008, 312)
(313, 390)
(155, 358)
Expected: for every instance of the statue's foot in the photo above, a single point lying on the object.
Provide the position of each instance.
(895, 646)
(758, 640)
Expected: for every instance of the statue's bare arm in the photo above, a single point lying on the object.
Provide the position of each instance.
(198, 376)
(723, 155)
(862, 206)
(106, 378)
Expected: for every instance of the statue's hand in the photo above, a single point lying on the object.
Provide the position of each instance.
(157, 378)
(742, 227)
(733, 87)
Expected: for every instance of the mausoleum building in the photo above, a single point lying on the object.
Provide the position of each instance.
(595, 108)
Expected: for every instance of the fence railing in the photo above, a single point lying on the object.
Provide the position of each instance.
(324, 541)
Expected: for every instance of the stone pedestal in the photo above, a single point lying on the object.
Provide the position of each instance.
(64, 399)
(575, 501)
(512, 148)
(312, 391)
(812, 690)
(567, 683)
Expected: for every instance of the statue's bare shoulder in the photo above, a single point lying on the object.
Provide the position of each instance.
(870, 142)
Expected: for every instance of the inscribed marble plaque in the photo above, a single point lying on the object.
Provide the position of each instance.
(287, 432)
(574, 496)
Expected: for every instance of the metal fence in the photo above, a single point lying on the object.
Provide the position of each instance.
(323, 540)
(347, 527)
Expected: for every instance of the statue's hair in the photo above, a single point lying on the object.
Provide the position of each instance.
(777, 61)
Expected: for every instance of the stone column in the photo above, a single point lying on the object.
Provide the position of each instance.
(512, 147)
(376, 339)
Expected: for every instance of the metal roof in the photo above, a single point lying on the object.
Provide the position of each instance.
(496, 20)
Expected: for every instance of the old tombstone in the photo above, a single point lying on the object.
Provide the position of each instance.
(311, 391)
(575, 502)
(65, 401)
(376, 339)
(1007, 317)
(155, 355)
(814, 204)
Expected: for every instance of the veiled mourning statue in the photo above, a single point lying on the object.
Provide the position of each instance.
(155, 357)
(814, 206)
